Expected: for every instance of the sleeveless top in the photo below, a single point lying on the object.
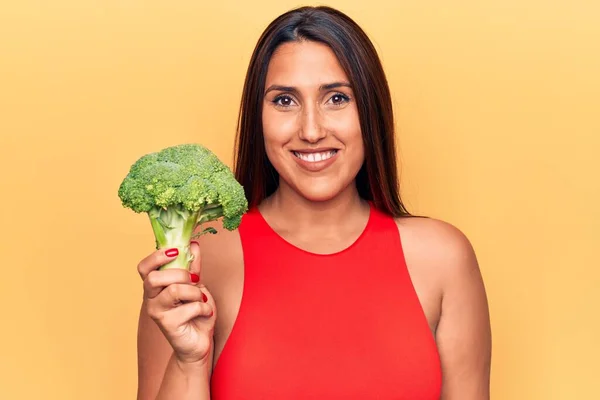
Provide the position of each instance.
(345, 326)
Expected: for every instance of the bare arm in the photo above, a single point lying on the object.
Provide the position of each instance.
(159, 374)
(464, 333)
(175, 331)
(186, 381)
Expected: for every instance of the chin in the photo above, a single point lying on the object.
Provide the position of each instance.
(319, 192)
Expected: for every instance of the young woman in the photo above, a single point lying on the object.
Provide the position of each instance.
(329, 289)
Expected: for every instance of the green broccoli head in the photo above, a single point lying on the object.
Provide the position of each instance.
(180, 188)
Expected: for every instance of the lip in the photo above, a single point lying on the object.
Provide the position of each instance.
(317, 150)
(317, 165)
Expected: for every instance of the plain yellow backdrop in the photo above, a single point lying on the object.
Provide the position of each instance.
(498, 117)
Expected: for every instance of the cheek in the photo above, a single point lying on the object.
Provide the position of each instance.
(278, 126)
(276, 132)
(349, 133)
(355, 157)
(278, 129)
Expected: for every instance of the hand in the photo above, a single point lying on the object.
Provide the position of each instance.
(180, 305)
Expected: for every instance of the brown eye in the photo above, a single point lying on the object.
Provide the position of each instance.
(339, 99)
(283, 101)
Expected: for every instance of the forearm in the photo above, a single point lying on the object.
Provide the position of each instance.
(185, 381)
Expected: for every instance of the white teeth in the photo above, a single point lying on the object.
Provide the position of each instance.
(315, 157)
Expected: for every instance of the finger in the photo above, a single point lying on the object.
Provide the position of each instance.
(156, 281)
(174, 295)
(208, 297)
(196, 264)
(183, 314)
(156, 260)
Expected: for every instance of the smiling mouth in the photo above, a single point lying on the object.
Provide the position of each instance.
(315, 157)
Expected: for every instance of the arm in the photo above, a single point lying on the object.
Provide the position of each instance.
(464, 332)
(186, 381)
(160, 375)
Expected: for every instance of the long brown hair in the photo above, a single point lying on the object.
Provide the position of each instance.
(377, 179)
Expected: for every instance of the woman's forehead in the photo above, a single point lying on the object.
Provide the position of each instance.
(304, 64)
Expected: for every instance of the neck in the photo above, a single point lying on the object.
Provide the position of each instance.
(303, 214)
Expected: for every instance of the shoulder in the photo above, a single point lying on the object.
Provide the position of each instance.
(219, 252)
(437, 247)
(221, 239)
(444, 256)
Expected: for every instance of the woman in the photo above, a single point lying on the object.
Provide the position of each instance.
(329, 289)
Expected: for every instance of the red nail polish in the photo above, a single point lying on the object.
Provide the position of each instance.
(193, 241)
(204, 298)
(172, 252)
(195, 278)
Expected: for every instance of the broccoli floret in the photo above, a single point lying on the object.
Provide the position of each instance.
(180, 188)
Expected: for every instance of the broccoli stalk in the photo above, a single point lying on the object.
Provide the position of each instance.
(181, 188)
(176, 227)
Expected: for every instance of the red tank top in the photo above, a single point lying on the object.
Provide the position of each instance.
(345, 326)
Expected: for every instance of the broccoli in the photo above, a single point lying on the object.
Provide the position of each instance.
(180, 188)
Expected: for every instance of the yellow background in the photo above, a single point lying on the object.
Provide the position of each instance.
(498, 115)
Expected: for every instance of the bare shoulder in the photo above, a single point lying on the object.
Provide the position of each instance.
(439, 258)
(220, 252)
(434, 244)
(444, 258)
(213, 244)
(221, 255)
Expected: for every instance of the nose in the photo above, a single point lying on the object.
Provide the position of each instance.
(311, 126)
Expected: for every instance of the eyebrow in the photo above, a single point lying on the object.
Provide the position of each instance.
(327, 86)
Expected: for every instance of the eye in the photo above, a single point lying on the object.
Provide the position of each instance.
(339, 99)
(283, 101)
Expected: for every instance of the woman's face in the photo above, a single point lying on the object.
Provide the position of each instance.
(310, 121)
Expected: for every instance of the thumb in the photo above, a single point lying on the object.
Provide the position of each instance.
(196, 264)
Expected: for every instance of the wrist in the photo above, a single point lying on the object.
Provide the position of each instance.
(192, 365)
(185, 379)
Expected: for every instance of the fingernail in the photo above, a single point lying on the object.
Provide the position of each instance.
(204, 298)
(195, 278)
(193, 241)
(172, 252)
